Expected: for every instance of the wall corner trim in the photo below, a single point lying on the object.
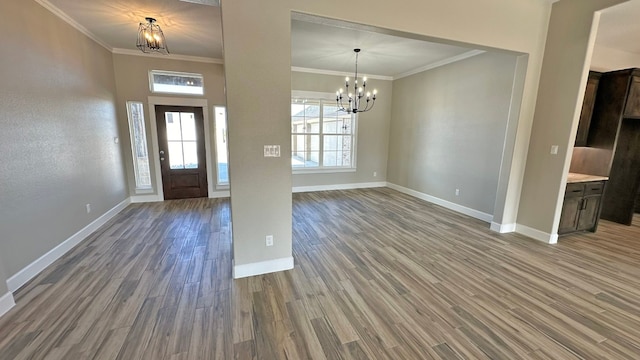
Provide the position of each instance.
(30, 271)
(444, 203)
(537, 234)
(6, 303)
(263, 267)
(503, 228)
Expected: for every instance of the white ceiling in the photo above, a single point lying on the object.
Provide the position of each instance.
(190, 29)
(620, 27)
(195, 30)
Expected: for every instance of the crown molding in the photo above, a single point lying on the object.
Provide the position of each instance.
(436, 64)
(121, 51)
(337, 73)
(66, 18)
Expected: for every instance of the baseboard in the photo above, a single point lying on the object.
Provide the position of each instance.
(503, 228)
(6, 303)
(297, 189)
(145, 198)
(263, 267)
(444, 203)
(33, 269)
(537, 234)
(219, 194)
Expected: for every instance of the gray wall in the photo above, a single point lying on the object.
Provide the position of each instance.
(258, 87)
(448, 129)
(132, 83)
(570, 40)
(373, 132)
(3, 280)
(58, 120)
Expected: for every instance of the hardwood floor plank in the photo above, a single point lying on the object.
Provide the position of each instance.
(378, 275)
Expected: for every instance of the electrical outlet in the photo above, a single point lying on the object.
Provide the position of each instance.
(88, 208)
(375, 174)
(554, 149)
(269, 240)
(457, 192)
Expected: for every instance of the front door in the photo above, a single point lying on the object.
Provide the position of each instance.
(182, 151)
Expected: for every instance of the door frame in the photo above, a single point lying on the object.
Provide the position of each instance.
(155, 148)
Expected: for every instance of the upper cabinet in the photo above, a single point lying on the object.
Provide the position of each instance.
(587, 108)
(632, 109)
(615, 129)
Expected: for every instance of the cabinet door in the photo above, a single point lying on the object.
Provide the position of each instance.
(587, 109)
(570, 213)
(632, 108)
(589, 212)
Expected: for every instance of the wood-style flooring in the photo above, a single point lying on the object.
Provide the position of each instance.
(378, 275)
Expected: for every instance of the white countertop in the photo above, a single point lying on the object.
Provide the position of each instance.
(575, 178)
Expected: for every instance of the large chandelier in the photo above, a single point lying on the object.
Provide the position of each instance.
(355, 104)
(151, 38)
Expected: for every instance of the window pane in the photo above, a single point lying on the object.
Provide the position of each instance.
(331, 142)
(173, 126)
(176, 82)
(175, 155)
(188, 126)
(330, 158)
(313, 142)
(297, 124)
(190, 154)
(135, 111)
(221, 145)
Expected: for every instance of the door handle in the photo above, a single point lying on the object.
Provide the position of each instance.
(161, 152)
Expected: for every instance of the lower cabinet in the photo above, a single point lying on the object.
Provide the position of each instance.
(581, 207)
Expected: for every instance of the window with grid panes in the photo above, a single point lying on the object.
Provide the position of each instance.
(322, 138)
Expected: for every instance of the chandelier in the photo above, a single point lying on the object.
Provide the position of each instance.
(151, 38)
(354, 104)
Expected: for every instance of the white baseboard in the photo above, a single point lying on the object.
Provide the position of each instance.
(444, 203)
(219, 194)
(537, 234)
(503, 228)
(145, 198)
(297, 189)
(6, 303)
(33, 269)
(263, 267)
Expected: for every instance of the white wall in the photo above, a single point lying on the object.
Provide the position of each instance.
(606, 59)
(448, 130)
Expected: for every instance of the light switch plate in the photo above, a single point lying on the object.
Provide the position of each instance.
(272, 151)
(554, 149)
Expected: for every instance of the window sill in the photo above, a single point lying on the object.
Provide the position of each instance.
(222, 186)
(145, 191)
(322, 171)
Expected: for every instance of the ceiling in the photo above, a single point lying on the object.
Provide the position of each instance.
(195, 30)
(619, 27)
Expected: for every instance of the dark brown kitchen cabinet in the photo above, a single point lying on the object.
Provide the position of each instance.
(632, 108)
(615, 129)
(581, 207)
(587, 108)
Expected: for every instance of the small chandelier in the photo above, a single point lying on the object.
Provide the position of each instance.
(355, 100)
(151, 38)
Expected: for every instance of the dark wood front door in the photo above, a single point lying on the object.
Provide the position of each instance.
(182, 151)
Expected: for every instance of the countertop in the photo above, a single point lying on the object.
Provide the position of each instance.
(576, 178)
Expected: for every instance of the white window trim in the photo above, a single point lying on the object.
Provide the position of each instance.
(220, 186)
(315, 95)
(166, 72)
(138, 189)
